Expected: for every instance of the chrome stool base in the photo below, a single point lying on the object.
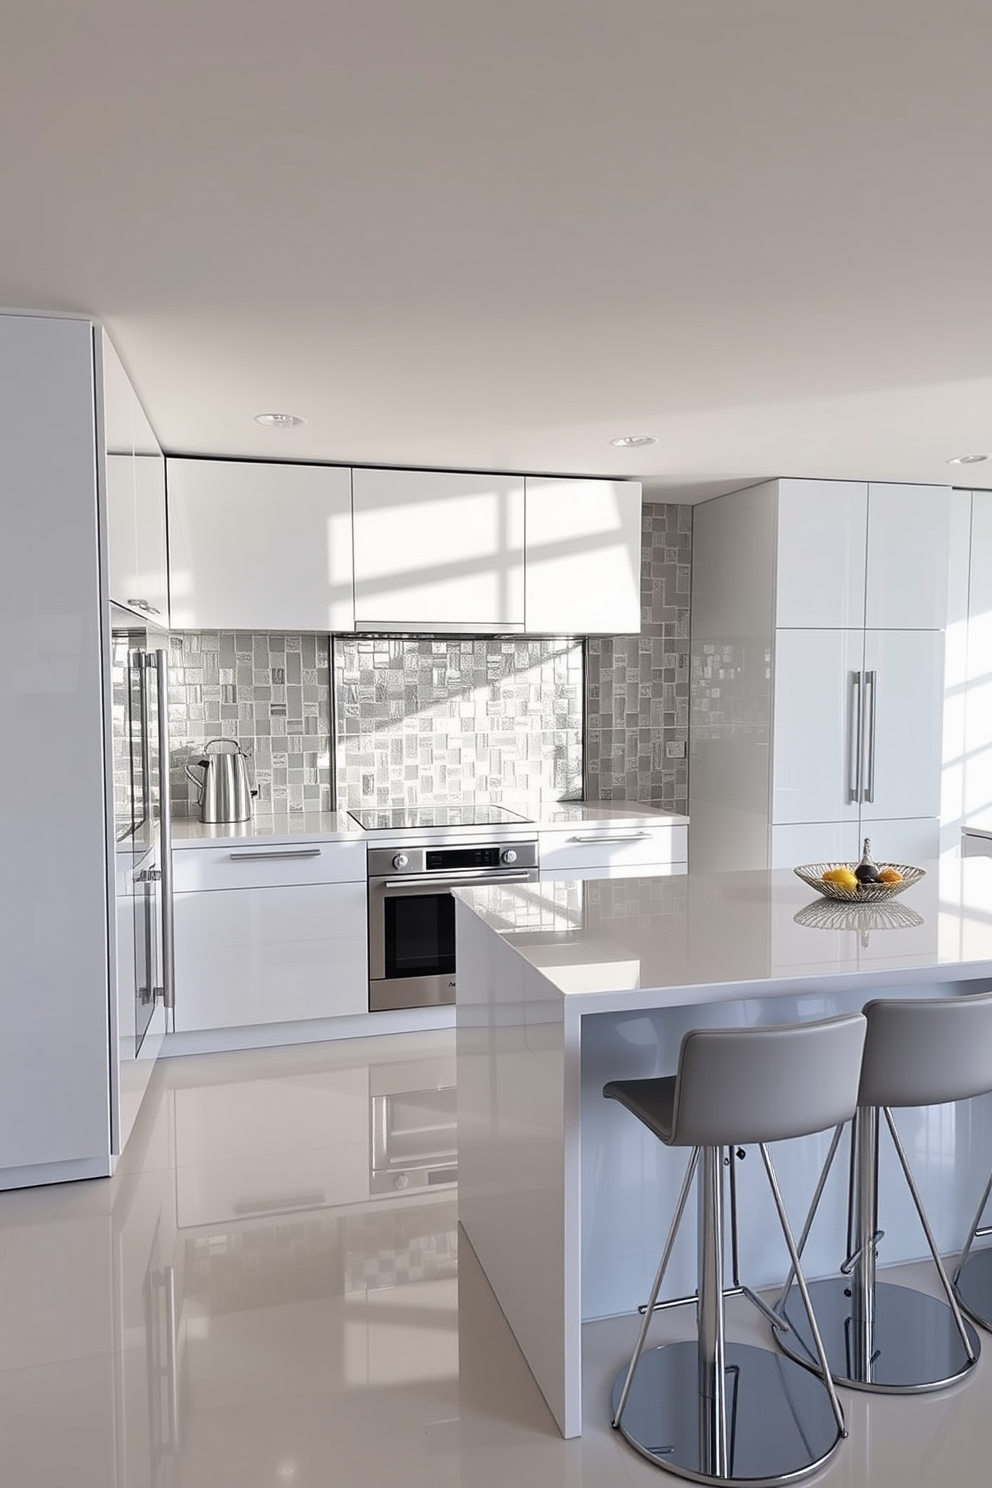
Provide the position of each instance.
(780, 1424)
(914, 1342)
(973, 1286)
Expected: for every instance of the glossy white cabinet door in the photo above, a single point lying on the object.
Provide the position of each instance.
(908, 548)
(116, 409)
(902, 769)
(813, 842)
(814, 725)
(910, 839)
(134, 485)
(248, 956)
(256, 546)
(583, 573)
(151, 554)
(438, 549)
(54, 911)
(563, 854)
(820, 561)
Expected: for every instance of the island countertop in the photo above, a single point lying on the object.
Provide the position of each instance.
(566, 984)
(715, 936)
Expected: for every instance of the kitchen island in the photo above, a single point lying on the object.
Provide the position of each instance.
(565, 985)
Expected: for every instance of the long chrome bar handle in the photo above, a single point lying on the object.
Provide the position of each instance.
(856, 761)
(161, 664)
(871, 681)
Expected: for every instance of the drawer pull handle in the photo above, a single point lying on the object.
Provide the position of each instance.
(276, 852)
(624, 837)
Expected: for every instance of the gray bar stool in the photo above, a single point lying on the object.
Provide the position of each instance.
(879, 1336)
(708, 1410)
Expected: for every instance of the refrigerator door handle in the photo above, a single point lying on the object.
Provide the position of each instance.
(857, 751)
(871, 687)
(161, 665)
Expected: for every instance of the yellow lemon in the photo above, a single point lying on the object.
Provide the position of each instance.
(843, 877)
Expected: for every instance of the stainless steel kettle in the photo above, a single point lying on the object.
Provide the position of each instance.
(224, 792)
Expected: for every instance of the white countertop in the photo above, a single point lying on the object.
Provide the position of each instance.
(338, 826)
(640, 942)
(285, 826)
(605, 814)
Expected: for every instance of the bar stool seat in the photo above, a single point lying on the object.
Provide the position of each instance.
(879, 1336)
(708, 1410)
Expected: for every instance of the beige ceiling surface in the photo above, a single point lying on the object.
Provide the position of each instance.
(498, 234)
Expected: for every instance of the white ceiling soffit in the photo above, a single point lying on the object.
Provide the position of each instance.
(445, 232)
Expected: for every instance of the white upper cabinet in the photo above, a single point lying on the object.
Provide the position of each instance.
(436, 550)
(151, 569)
(583, 572)
(908, 549)
(134, 480)
(852, 554)
(820, 563)
(260, 546)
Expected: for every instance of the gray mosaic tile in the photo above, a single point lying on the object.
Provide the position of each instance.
(241, 677)
(452, 719)
(640, 683)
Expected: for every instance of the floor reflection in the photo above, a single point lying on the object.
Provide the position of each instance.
(240, 1306)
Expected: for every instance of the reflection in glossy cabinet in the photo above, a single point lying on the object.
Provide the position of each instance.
(437, 548)
(259, 546)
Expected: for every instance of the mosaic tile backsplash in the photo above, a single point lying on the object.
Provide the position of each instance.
(453, 719)
(637, 721)
(271, 692)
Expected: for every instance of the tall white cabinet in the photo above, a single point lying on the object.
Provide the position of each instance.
(817, 672)
(60, 1093)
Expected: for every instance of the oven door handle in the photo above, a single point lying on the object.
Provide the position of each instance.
(519, 875)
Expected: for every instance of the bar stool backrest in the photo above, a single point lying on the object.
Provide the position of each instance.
(925, 1052)
(762, 1084)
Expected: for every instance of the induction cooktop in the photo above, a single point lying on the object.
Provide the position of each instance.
(403, 818)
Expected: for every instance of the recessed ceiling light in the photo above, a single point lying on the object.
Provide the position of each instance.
(633, 441)
(278, 420)
(967, 459)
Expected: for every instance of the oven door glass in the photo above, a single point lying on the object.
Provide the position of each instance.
(419, 934)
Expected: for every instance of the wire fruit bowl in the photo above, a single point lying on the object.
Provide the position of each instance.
(869, 893)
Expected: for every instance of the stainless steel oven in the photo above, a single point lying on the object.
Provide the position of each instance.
(412, 914)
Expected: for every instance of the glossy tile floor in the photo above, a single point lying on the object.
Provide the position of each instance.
(233, 1308)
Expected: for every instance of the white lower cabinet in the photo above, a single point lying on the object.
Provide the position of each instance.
(273, 952)
(613, 851)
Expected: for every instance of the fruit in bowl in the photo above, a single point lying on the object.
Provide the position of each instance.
(863, 882)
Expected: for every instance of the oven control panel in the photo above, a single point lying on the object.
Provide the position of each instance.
(494, 858)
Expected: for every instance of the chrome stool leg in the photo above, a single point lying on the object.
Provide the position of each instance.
(973, 1275)
(878, 1336)
(718, 1412)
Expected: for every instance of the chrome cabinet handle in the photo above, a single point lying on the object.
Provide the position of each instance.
(142, 604)
(442, 884)
(857, 741)
(160, 664)
(871, 681)
(275, 852)
(618, 837)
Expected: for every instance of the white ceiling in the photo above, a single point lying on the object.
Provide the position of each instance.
(497, 233)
